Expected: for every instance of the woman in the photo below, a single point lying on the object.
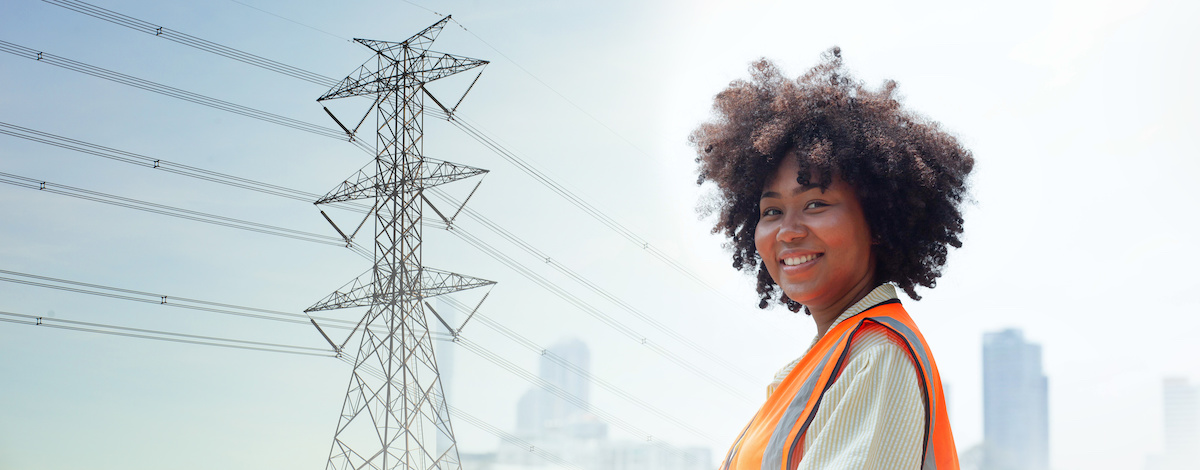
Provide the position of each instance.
(837, 195)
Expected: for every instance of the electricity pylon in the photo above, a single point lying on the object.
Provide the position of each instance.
(393, 421)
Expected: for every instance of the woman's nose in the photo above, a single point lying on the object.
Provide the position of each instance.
(791, 228)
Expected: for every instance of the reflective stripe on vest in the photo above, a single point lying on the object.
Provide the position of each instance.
(774, 438)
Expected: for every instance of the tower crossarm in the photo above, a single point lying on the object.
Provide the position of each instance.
(364, 81)
(436, 282)
(359, 293)
(360, 185)
(381, 73)
(437, 172)
(370, 78)
(419, 41)
(434, 172)
(356, 293)
(435, 65)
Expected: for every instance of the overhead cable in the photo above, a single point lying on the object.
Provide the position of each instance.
(504, 363)
(22, 51)
(577, 369)
(481, 424)
(587, 208)
(594, 312)
(592, 286)
(472, 130)
(193, 41)
(466, 236)
(141, 333)
(297, 318)
(162, 209)
(159, 335)
(161, 299)
(179, 302)
(142, 296)
(168, 166)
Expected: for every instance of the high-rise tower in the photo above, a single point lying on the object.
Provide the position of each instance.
(1181, 424)
(1016, 427)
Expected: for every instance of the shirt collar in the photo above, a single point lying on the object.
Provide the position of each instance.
(879, 294)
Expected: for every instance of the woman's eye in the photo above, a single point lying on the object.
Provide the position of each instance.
(815, 205)
(771, 211)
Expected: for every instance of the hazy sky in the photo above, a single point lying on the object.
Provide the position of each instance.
(1081, 117)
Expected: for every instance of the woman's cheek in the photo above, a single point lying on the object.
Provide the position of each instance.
(763, 239)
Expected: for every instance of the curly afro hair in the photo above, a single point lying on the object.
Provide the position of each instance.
(908, 173)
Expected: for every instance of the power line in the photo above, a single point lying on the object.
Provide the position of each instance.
(553, 389)
(595, 213)
(159, 335)
(160, 30)
(481, 424)
(567, 271)
(537, 79)
(161, 209)
(511, 439)
(579, 202)
(329, 240)
(178, 302)
(168, 166)
(539, 280)
(160, 299)
(576, 369)
(538, 175)
(608, 221)
(289, 317)
(594, 312)
(276, 315)
(192, 41)
(51, 59)
(291, 21)
(184, 338)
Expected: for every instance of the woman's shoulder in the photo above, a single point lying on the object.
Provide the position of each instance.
(877, 345)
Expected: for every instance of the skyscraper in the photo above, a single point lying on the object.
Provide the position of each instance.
(1181, 426)
(1016, 428)
(543, 414)
(547, 421)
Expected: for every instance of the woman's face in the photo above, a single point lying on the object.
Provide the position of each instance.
(816, 244)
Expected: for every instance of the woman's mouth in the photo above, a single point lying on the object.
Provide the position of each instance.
(799, 260)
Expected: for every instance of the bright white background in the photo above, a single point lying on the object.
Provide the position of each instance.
(1081, 116)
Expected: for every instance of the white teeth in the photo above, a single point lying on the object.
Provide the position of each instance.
(800, 260)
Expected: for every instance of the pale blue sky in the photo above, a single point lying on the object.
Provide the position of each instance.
(1081, 116)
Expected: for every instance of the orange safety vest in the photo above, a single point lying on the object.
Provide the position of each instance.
(774, 439)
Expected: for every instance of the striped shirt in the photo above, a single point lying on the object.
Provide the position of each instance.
(873, 416)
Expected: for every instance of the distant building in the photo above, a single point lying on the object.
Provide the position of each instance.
(558, 422)
(1181, 427)
(548, 422)
(1016, 426)
(542, 414)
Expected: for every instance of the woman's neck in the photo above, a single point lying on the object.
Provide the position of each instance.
(827, 315)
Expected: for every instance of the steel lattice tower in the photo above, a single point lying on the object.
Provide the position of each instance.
(393, 421)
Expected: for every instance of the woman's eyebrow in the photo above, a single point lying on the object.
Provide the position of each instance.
(797, 190)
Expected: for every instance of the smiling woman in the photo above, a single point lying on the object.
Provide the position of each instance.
(837, 196)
